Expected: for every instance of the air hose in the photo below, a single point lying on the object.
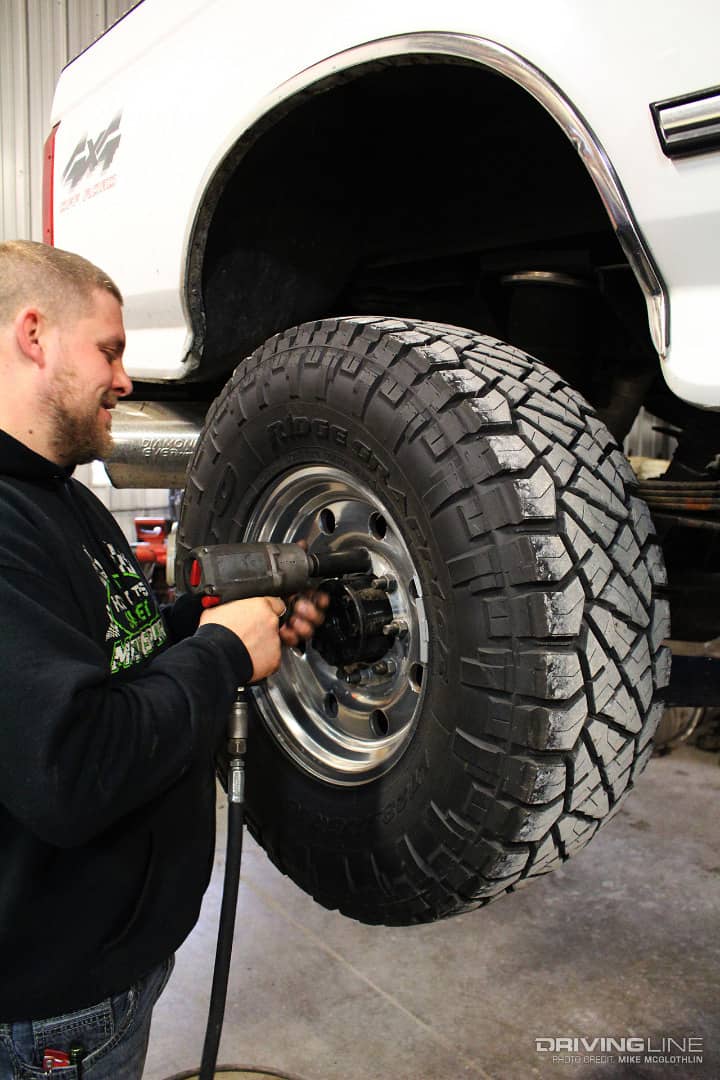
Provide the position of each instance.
(236, 745)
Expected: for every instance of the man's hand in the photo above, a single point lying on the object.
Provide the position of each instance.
(256, 622)
(305, 613)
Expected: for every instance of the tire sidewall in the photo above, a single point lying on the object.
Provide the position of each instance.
(285, 438)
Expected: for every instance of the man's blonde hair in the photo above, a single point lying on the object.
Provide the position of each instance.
(57, 282)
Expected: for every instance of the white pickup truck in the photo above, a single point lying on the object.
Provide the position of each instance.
(413, 268)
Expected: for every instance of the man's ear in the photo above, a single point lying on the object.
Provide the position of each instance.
(30, 325)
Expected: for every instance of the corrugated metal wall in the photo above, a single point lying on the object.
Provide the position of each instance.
(37, 39)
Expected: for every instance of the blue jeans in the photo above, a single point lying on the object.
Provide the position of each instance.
(113, 1035)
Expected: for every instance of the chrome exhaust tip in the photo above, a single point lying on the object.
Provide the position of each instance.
(153, 443)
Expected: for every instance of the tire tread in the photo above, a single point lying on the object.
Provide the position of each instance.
(560, 566)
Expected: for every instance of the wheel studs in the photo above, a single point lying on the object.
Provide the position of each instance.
(352, 677)
(397, 626)
(362, 676)
(386, 583)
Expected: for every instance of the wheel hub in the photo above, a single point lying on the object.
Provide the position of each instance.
(355, 622)
(345, 707)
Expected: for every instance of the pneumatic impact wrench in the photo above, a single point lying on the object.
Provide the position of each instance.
(224, 572)
(221, 573)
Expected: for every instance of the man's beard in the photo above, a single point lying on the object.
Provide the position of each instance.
(78, 435)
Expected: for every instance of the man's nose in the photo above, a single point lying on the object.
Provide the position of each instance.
(122, 383)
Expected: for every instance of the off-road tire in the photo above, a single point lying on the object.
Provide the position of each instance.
(539, 571)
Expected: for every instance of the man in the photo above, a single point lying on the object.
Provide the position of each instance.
(111, 714)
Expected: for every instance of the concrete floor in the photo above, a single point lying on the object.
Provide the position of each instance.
(622, 941)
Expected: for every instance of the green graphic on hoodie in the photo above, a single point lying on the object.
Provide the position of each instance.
(135, 626)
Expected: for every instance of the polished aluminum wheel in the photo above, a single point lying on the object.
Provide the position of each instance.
(345, 725)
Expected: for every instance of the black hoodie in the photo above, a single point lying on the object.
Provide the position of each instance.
(107, 735)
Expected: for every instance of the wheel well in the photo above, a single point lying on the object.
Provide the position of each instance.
(423, 187)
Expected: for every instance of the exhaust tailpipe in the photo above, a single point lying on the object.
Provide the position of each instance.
(154, 443)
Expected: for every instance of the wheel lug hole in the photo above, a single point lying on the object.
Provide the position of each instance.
(417, 672)
(326, 520)
(330, 705)
(378, 526)
(379, 723)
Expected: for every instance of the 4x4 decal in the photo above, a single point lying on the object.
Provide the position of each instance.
(90, 154)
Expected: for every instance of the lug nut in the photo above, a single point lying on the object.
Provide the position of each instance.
(385, 667)
(387, 584)
(397, 626)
